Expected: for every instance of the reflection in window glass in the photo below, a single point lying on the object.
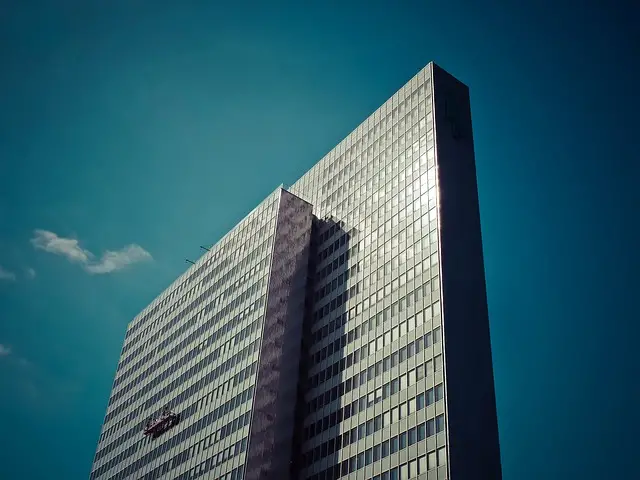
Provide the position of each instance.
(432, 460)
(442, 456)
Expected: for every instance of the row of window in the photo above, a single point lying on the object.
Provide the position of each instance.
(418, 250)
(205, 363)
(354, 155)
(330, 231)
(204, 422)
(365, 198)
(247, 232)
(390, 388)
(401, 382)
(331, 266)
(373, 323)
(176, 402)
(386, 165)
(418, 466)
(391, 360)
(250, 293)
(236, 267)
(221, 389)
(403, 248)
(204, 328)
(362, 403)
(382, 321)
(212, 462)
(423, 216)
(393, 149)
(393, 264)
(383, 253)
(209, 293)
(333, 247)
(376, 278)
(367, 143)
(214, 415)
(371, 426)
(338, 281)
(169, 338)
(185, 413)
(370, 282)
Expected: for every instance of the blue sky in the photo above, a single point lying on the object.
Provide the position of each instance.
(131, 132)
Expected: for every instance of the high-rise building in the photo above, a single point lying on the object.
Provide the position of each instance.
(339, 331)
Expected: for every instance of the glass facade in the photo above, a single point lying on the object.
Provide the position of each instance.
(339, 331)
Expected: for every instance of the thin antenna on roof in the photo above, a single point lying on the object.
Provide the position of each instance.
(189, 261)
(205, 248)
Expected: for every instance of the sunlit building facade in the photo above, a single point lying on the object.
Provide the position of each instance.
(339, 331)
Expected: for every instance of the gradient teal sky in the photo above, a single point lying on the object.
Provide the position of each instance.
(161, 124)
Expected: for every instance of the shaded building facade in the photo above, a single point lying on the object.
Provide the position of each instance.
(340, 330)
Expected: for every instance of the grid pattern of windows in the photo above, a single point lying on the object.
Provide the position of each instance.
(194, 350)
(221, 346)
(375, 360)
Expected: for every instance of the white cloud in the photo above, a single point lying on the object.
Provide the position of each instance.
(7, 275)
(67, 247)
(110, 261)
(5, 350)
(30, 273)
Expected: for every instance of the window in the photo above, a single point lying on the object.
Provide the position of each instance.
(393, 445)
(439, 392)
(377, 421)
(412, 436)
(438, 362)
(428, 366)
(431, 429)
(432, 460)
(442, 456)
(422, 465)
(385, 448)
(402, 440)
(376, 453)
(386, 390)
(395, 386)
(411, 406)
(404, 472)
(393, 474)
(411, 377)
(402, 354)
(427, 340)
(440, 423)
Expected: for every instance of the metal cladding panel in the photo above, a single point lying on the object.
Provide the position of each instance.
(273, 422)
(474, 451)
